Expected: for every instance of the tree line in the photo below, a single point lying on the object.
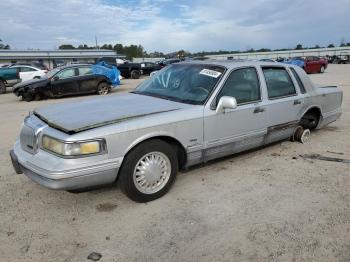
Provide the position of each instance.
(139, 51)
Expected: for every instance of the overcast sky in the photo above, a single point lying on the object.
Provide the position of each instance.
(170, 25)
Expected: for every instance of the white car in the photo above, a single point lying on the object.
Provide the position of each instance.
(29, 72)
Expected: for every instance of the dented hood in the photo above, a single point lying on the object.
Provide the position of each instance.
(82, 115)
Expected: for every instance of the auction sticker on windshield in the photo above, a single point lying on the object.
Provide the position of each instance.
(211, 73)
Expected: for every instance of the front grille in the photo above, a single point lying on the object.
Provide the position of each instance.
(28, 139)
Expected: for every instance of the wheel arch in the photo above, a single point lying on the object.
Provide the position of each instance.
(168, 138)
(315, 109)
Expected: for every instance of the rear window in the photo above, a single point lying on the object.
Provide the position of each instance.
(278, 81)
(300, 83)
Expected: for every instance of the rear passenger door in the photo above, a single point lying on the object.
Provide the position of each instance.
(284, 104)
(87, 80)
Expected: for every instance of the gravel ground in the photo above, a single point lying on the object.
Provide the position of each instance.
(264, 205)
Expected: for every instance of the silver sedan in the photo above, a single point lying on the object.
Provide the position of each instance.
(187, 113)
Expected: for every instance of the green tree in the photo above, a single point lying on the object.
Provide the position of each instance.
(299, 47)
(3, 46)
(66, 46)
(330, 46)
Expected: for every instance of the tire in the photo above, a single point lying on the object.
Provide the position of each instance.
(2, 87)
(135, 74)
(36, 77)
(103, 89)
(140, 184)
(322, 69)
(27, 97)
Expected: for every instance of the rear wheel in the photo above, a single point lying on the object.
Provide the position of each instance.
(148, 171)
(135, 74)
(2, 87)
(103, 89)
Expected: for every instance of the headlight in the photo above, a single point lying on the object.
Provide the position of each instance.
(73, 148)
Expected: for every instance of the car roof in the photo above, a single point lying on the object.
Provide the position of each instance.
(74, 65)
(19, 65)
(229, 64)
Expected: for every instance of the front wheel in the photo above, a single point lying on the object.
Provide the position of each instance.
(2, 87)
(148, 171)
(27, 97)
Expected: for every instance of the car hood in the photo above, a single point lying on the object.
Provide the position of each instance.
(33, 82)
(82, 115)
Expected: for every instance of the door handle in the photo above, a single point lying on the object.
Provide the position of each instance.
(258, 110)
(297, 102)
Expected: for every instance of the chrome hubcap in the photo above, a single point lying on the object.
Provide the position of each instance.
(152, 172)
(103, 90)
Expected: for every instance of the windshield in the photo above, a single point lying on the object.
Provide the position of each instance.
(52, 72)
(186, 83)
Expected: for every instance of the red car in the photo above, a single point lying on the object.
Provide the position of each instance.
(311, 64)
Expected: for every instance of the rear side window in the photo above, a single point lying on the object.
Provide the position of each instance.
(242, 84)
(278, 81)
(300, 83)
(85, 71)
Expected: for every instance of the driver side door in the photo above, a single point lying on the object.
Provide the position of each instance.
(65, 82)
(241, 128)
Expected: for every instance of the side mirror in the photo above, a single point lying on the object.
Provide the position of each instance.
(226, 102)
(55, 78)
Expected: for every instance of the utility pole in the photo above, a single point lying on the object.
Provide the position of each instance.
(96, 42)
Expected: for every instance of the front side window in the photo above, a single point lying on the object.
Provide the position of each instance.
(66, 73)
(278, 81)
(85, 71)
(242, 84)
(186, 83)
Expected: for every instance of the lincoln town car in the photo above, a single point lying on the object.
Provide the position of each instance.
(186, 114)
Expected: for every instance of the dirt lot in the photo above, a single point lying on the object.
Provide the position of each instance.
(265, 205)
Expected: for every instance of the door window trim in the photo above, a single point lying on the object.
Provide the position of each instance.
(298, 80)
(214, 103)
(267, 90)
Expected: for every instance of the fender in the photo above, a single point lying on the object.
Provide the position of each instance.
(149, 136)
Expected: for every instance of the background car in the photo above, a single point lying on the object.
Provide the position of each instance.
(149, 67)
(127, 69)
(29, 72)
(64, 81)
(8, 76)
(166, 62)
(311, 64)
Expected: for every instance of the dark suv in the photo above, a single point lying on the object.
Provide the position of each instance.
(127, 70)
